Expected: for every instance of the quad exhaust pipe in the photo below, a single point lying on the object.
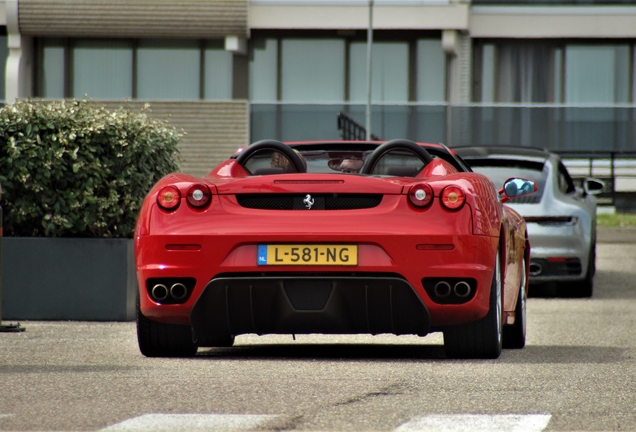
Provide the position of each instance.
(461, 289)
(176, 292)
(159, 292)
(442, 289)
(535, 269)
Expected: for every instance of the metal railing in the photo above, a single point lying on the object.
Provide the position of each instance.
(352, 130)
(554, 2)
(616, 168)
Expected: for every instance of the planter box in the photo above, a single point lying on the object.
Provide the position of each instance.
(68, 279)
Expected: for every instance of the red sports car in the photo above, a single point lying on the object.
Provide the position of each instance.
(336, 238)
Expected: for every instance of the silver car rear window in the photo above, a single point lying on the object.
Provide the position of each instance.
(500, 170)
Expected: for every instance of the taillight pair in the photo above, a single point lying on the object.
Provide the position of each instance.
(452, 197)
(198, 196)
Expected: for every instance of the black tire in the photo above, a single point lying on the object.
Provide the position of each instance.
(514, 336)
(587, 288)
(158, 339)
(483, 338)
(218, 341)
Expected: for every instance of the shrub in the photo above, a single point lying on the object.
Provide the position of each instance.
(74, 169)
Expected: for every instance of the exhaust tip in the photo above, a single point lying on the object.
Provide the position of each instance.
(159, 292)
(462, 289)
(178, 291)
(535, 269)
(442, 289)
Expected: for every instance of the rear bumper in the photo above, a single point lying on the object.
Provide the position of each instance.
(544, 270)
(328, 305)
(559, 253)
(395, 256)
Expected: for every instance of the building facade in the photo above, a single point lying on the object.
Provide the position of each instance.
(559, 74)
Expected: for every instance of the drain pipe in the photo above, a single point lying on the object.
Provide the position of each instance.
(5, 327)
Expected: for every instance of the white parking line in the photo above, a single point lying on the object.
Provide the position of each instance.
(176, 422)
(6, 415)
(478, 423)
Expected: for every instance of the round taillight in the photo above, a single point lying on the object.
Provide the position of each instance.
(453, 197)
(421, 195)
(169, 198)
(198, 195)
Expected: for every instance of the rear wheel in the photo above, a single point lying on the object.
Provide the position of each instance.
(157, 339)
(483, 338)
(587, 287)
(514, 336)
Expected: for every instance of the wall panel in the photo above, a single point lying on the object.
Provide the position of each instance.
(213, 130)
(118, 18)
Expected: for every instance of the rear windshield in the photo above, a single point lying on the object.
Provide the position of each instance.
(499, 170)
(327, 161)
(330, 158)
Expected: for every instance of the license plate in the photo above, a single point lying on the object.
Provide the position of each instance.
(306, 254)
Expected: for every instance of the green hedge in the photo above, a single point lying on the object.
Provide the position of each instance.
(74, 169)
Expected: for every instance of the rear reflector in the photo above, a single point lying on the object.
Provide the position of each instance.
(561, 259)
(183, 247)
(552, 220)
(435, 247)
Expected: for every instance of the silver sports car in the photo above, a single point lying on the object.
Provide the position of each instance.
(561, 217)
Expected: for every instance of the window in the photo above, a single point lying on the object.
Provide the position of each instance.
(517, 72)
(168, 69)
(566, 185)
(431, 71)
(300, 80)
(389, 72)
(597, 74)
(312, 70)
(51, 80)
(264, 70)
(545, 72)
(151, 69)
(102, 69)
(217, 68)
(330, 69)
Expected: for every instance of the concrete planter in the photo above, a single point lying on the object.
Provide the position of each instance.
(68, 279)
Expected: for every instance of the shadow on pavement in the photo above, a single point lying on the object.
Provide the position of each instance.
(333, 352)
(607, 285)
(327, 352)
(73, 369)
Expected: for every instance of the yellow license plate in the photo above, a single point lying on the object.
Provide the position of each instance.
(314, 254)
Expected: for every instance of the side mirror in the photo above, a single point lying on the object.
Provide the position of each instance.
(516, 187)
(593, 186)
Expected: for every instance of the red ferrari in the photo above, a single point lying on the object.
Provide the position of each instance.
(343, 237)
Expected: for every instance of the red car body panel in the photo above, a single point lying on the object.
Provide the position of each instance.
(394, 237)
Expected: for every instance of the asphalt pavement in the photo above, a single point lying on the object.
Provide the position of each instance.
(616, 234)
(577, 372)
